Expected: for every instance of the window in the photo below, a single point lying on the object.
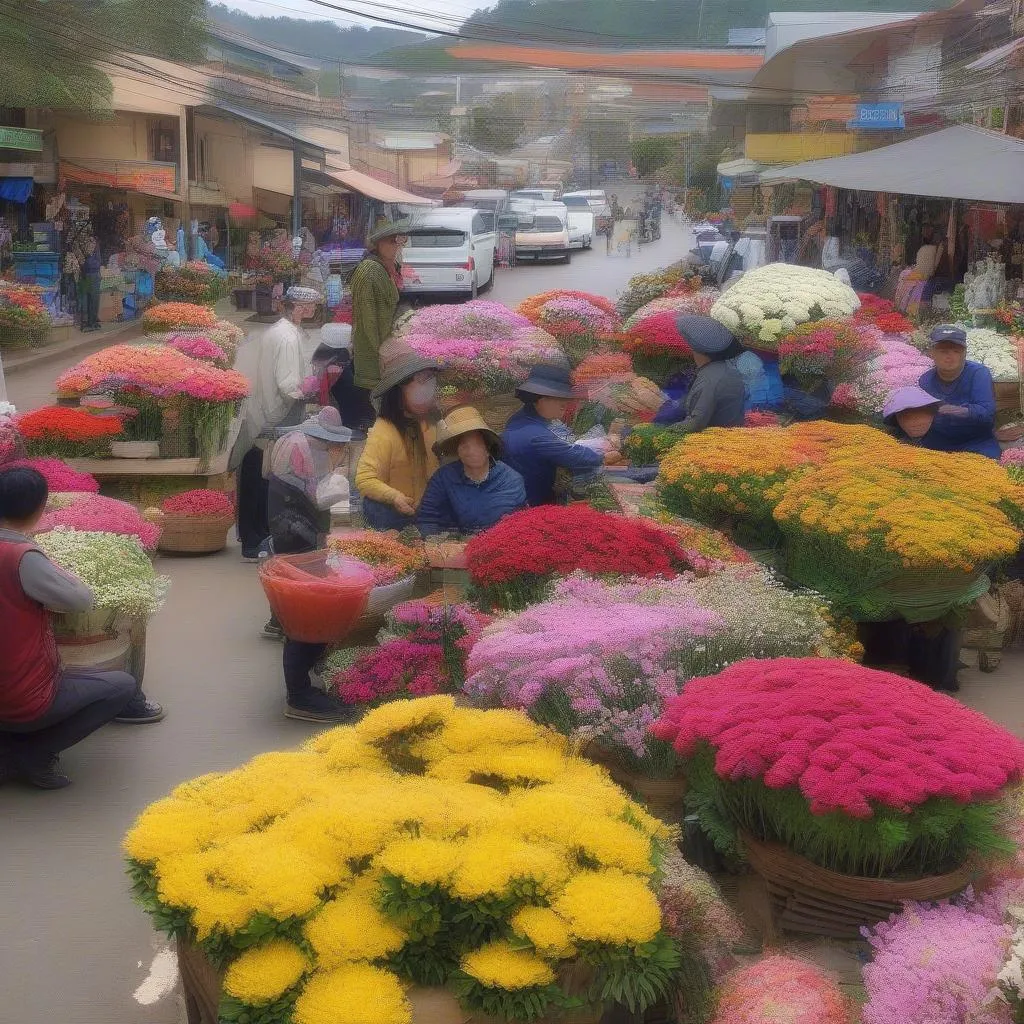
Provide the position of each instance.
(483, 223)
(547, 224)
(437, 238)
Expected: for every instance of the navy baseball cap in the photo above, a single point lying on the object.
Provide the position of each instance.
(948, 332)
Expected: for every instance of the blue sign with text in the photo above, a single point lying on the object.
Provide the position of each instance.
(878, 117)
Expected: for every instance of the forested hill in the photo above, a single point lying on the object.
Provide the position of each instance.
(322, 40)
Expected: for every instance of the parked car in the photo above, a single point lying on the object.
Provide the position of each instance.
(543, 236)
(451, 251)
(493, 199)
(544, 195)
(582, 221)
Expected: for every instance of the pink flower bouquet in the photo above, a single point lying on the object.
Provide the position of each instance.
(897, 365)
(200, 503)
(199, 346)
(780, 988)
(93, 513)
(863, 772)
(60, 477)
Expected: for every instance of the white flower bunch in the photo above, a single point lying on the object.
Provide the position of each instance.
(994, 350)
(7, 410)
(766, 303)
(116, 568)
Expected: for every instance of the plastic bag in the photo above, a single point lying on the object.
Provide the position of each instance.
(317, 596)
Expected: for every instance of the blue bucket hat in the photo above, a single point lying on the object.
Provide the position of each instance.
(948, 332)
(547, 381)
(703, 334)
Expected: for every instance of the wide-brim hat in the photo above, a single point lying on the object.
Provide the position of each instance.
(391, 229)
(948, 332)
(326, 426)
(549, 381)
(459, 422)
(704, 334)
(910, 397)
(402, 370)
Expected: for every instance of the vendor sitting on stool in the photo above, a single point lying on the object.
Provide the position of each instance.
(965, 419)
(306, 478)
(473, 490)
(532, 448)
(716, 397)
(910, 413)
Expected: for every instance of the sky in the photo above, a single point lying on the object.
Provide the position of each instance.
(402, 10)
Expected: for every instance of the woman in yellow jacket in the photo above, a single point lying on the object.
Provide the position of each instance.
(399, 459)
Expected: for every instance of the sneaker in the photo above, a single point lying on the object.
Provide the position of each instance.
(46, 774)
(250, 557)
(140, 711)
(272, 631)
(318, 707)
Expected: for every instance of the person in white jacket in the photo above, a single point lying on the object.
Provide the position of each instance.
(276, 364)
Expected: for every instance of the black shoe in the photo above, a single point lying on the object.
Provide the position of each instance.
(46, 774)
(318, 707)
(250, 555)
(272, 631)
(140, 711)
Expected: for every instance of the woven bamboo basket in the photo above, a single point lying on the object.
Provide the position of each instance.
(81, 628)
(662, 797)
(191, 535)
(202, 985)
(808, 898)
(1008, 396)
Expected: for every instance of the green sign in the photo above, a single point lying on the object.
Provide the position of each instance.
(21, 138)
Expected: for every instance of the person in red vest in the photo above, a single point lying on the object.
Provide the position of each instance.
(44, 708)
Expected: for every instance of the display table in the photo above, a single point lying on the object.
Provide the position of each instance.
(135, 477)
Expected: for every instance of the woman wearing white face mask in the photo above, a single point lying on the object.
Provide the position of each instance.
(399, 459)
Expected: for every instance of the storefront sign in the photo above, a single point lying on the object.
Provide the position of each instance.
(21, 138)
(878, 117)
(127, 175)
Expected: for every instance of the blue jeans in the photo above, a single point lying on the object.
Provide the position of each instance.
(380, 516)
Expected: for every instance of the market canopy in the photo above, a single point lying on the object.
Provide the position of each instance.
(375, 188)
(962, 162)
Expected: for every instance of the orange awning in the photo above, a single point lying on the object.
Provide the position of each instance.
(359, 182)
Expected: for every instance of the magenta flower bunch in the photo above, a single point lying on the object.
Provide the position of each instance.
(94, 513)
(898, 365)
(198, 346)
(401, 668)
(938, 963)
(59, 475)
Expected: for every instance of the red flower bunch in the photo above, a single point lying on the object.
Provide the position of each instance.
(657, 348)
(200, 502)
(93, 513)
(511, 563)
(59, 475)
(57, 430)
(401, 668)
(687, 286)
(760, 418)
(882, 314)
(851, 739)
(830, 349)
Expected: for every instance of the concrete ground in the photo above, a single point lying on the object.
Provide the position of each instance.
(74, 947)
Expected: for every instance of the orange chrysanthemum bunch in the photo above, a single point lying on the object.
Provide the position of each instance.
(177, 316)
(390, 558)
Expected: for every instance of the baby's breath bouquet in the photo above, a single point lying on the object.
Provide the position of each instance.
(428, 845)
(115, 567)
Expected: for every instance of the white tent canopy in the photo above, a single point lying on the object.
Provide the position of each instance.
(962, 162)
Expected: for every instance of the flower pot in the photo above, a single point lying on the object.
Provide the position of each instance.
(91, 627)
(192, 535)
(808, 898)
(135, 449)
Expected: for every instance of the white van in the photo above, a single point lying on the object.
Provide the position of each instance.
(582, 221)
(541, 195)
(543, 233)
(597, 199)
(451, 251)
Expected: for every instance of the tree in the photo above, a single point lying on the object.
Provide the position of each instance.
(52, 48)
(495, 127)
(652, 153)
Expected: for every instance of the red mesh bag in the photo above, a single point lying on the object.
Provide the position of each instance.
(318, 596)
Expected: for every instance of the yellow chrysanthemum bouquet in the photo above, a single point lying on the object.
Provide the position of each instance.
(886, 528)
(427, 845)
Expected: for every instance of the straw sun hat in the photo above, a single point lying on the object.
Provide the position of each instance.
(459, 422)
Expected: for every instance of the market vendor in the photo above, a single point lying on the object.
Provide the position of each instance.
(473, 490)
(276, 364)
(716, 397)
(965, 421)
(530, 445)
(399, 459)
(376, 289)
(45, 708)
(910, 413)
(307, 477)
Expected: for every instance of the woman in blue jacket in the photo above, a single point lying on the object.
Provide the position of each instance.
(965, 419)
(532, 448)
(473, 490)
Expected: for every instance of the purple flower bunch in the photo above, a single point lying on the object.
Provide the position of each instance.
(598, 669)
(482, 320)
(939, 963)
(572, 310)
